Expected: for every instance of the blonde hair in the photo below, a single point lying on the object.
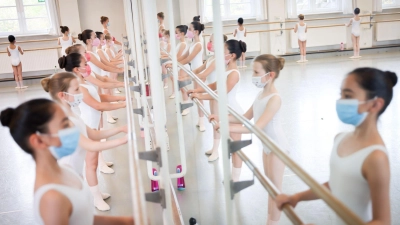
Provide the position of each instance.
(271, 63)
(108, 36)
(166, 32)
(59, 82)
(73, 49)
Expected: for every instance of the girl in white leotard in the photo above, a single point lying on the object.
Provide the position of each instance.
(267, 116)
(207, 73)
(90, 111)
(194, 56)
(14, 52)
(181, 49)
(355, 33)
(240, 33)
(233, 51)
(105, 22)
(359, 163)
(301, 30)
(60, 194)
(64, 88)
(113, 58)
(161, 26)
(66, 40)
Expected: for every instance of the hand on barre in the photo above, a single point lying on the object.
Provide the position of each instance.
(191, 91)
(169, 65)
(213, 117)
(283, 199)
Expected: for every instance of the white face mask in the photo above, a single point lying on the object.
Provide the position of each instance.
(77, 99)
(257, 81)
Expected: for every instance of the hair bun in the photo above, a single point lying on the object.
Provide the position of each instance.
(282, 63)
(45, 83)
(80, 37)
(61, 27)
(62, 61)
(243, 46)
(392, 77)
(6, 116)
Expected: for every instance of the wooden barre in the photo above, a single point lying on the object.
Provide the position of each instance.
(32, 41)
(37, 49)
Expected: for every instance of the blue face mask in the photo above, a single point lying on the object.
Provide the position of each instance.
(347, 110)
(69, 138)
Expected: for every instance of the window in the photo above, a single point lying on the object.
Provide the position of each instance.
(24, 17)
(387, 4)
(318, 6)
(232, 9)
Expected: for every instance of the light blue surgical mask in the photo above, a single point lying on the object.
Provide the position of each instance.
(69, 138)
(347, 111)
(257, 81)
(108, 24)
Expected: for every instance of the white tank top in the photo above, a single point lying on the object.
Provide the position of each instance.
(89, 115)
(301, 32)
(274, 128)
(76, 160)
(240, 34)
(212, 78)
(232, 94)
(65, 44)
(81, 201)
(103, 72)
(185, 50)
(15, 55)
(347, 182)
(197, 61)
(94, 68)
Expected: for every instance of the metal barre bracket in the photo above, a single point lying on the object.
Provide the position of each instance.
(132, 79)
(236, 187)
(154, 156)
(130, 73)
(185, 106)
(235, 146)
(137, 89)
(126, 37)
(126, 44)
(132, 63)
(184, 83)
(128, 51)
(162, 61)
(145, 51)
(139, 111)
(145, 42)
(156, 197)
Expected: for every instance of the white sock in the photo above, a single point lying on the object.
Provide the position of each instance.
(99, 203)
(304, 57)
(236, 173)
(201, 120)
(20, 83)
(214, 151)
(17, 83)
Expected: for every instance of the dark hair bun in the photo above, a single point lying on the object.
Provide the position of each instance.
(6, 116)
(243, 46)
(202, 27)
(62, 61)
(392, 77)
(80, 37)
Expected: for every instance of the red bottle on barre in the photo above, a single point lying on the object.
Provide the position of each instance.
(148, 89)
(154, 183)
(180, 181)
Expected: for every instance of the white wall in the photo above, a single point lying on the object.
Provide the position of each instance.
(69, 16)
(162, 6)
(90, 12)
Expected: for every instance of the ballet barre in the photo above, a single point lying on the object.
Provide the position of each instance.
(321, 191)
(137, 192)
(264, 180)
(33, 41)
(36, 49)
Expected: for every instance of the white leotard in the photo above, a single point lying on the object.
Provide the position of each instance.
(94, 68)
(65, 44)
(347, 182)
(274, 128)
(355, 27)
(178, 46)
(76, 160)
(15, 56)
(103, 72)
(232, 94)
(89, 115)
(80, 199)
(301, 32)
(213, 75)
(240, 34)
(197, 61)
